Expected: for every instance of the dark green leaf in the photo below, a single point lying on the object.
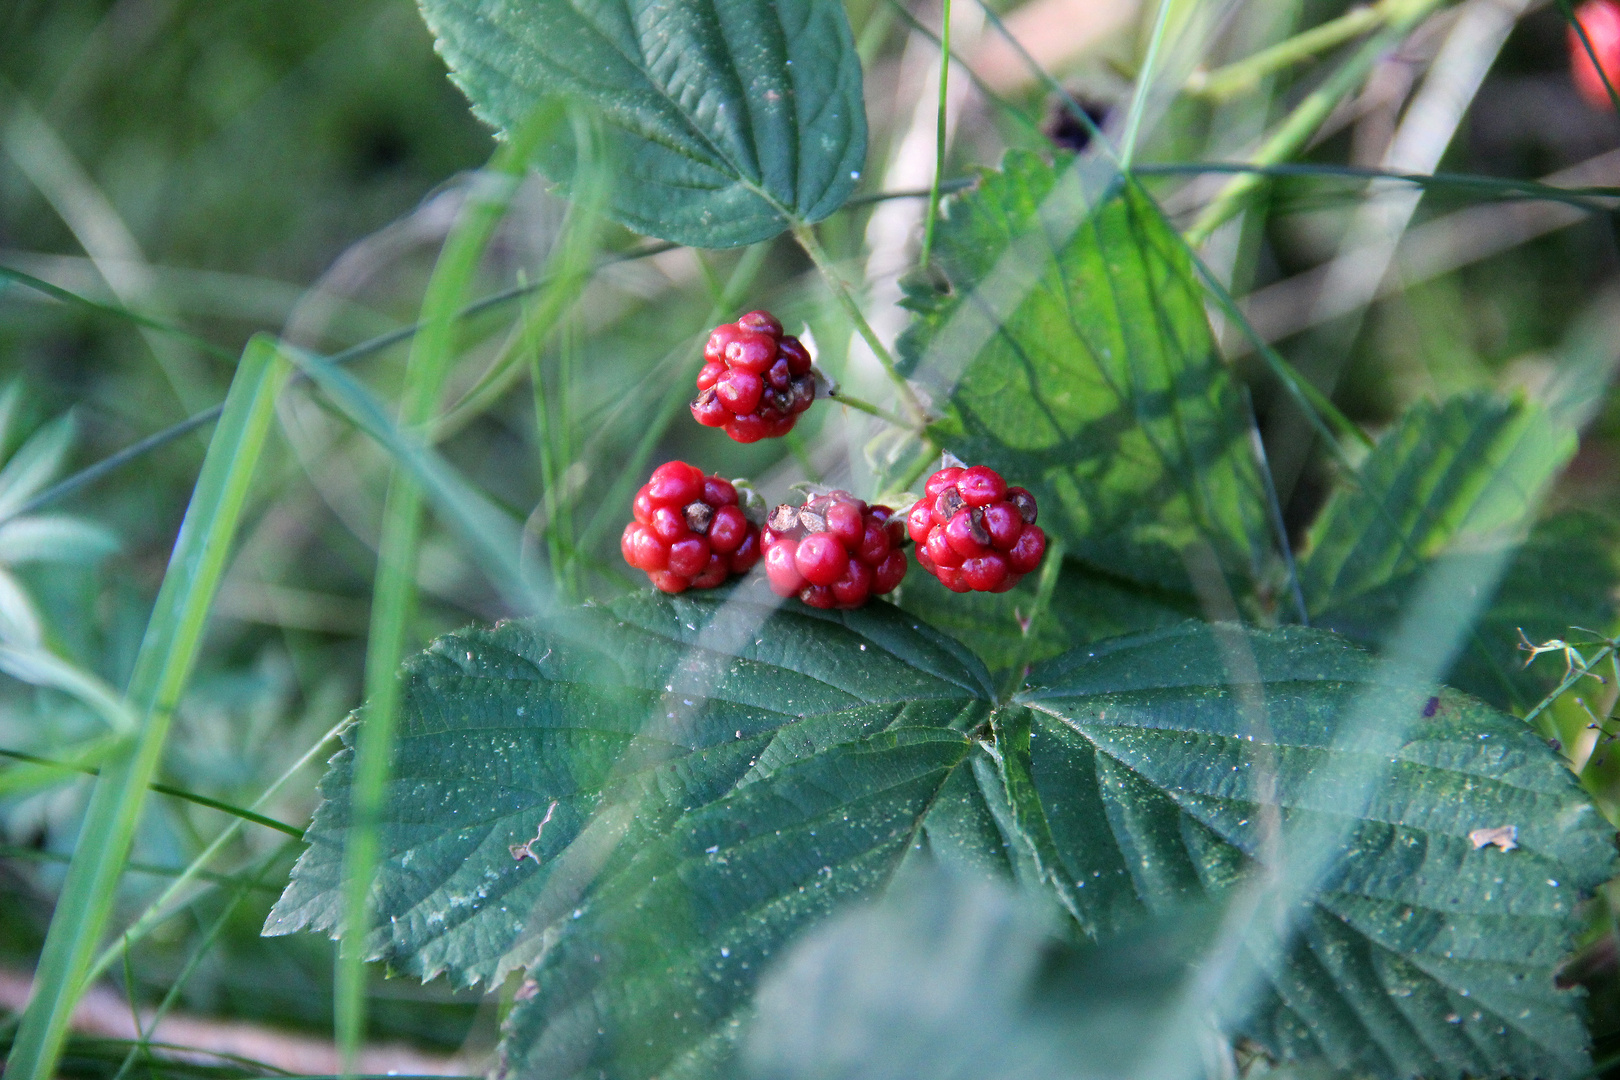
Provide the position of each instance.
(656, 974)
(726, 120)
(1071, 352)
(724, 775)
(1144, 772)
(637, 721)
(1461, 479)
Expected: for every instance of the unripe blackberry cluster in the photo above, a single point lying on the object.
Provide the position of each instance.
(973, 532)
(835, 551)
(755, 380)
(689, 532)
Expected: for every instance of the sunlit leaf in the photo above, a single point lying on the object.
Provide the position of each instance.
(726, 120)
(1072, 353)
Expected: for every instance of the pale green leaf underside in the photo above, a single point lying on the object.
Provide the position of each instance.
(726, 120)
(1099, 387)
(691, 842)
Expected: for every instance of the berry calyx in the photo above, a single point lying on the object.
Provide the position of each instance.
(1601, 21)
(835, 551)
(689, 531)
(973, 532)
(755, 380)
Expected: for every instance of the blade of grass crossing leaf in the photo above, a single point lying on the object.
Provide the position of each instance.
(1144, 84)
(162, 667)
(1317, 407)
(394, 597)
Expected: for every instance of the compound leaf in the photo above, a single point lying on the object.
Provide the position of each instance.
(725, 121)
(643, 804)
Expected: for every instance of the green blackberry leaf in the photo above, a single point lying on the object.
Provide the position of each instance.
(1069, 350)
(724, 121)
(1144, 774)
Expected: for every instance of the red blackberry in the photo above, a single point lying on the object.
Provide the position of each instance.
(755, 380)
(834, 551)
(975, 533)
(689, 532)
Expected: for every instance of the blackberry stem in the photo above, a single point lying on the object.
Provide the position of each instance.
(867, 407)
(806, 237)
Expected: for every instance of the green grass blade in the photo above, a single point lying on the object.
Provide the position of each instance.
(92, 473)
(162, 789)
(1144, 85)
(394, 598)
(166, 904)
(162, 667)
(1291, 135)
(939, 133)
(67, 296)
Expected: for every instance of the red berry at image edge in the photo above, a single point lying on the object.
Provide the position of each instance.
(973, 532)
(755, 380)
(689, 532)
(1601, 21)
(835, 551)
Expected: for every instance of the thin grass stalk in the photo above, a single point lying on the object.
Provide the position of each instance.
(169, 902)
(939, 135)
(550, 475)
(245, 885)
(163, 665)
(1297, 128)
(84, 768)
(1144, 85)
(806, 236)
(394, 597)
